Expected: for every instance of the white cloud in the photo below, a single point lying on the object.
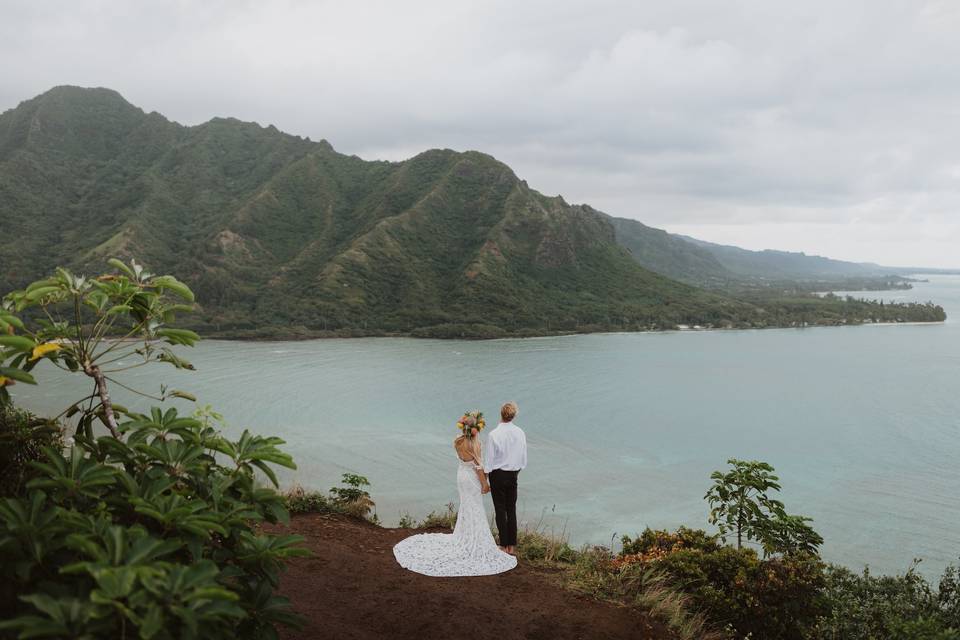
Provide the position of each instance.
(819, 126)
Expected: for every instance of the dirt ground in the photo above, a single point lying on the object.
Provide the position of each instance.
(353, 589)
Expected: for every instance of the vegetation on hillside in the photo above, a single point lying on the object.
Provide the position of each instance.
(671, 255)
(283, 237)
(769, 264)
(715, 266)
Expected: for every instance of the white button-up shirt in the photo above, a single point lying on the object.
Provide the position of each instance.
(506, 448)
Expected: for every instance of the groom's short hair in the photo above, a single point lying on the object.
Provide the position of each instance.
(508, 411)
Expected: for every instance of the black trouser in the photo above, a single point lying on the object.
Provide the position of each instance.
(503, 490)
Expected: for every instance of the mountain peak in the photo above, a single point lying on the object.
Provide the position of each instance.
(75, 93)
(74, 120)
(67, 101)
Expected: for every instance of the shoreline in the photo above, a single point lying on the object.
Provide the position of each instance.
(301, 337)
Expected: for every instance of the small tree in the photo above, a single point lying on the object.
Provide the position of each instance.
(740, 503)
(354, 498)
(739, 500)
(97, 327)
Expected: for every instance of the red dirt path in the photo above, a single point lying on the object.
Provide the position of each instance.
(353, 589)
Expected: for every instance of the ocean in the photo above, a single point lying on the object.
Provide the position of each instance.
(861, 423)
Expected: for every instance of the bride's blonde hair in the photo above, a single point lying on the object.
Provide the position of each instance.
(473, 446)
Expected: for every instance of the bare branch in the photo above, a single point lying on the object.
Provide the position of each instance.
(109, 419)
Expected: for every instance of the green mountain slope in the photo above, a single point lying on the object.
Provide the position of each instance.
(671, 255)
(785, 265)
(722, 266)
(283, 236)
(273, 229)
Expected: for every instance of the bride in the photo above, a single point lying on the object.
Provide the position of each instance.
(470, 550)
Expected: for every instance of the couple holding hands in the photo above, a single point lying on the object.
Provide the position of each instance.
(471, 550)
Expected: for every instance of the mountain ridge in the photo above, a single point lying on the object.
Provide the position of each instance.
(276, 230)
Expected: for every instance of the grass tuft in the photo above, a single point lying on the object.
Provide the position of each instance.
(539, 546)
(445, 519)
(299, 500)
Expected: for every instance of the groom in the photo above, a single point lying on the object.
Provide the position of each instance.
(506, 456)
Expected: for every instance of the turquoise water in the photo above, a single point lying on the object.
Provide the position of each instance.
(862, 423)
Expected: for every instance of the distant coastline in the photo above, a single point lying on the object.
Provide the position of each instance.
(262, 335)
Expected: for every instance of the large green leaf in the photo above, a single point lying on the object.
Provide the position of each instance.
(76, 475)
(20, 343)
(40, 292)
(178, 336)
(40, 284)
(172, 284)
(13, 320)
(119, 264)
(17, 374)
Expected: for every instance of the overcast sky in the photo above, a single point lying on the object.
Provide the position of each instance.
(820, 126)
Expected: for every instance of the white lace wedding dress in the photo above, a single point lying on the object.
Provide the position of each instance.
(469, 551)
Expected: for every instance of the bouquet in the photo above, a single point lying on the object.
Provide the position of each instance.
(471, 423)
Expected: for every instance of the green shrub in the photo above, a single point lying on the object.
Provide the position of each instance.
(22, 439)
(923, 629)
(149, 532)
(152, 537)
(654, 542)
(594, 572)
(948, 596)
(537, 545)
(864, 606)
(770, 598)
(351, 500)
(446, 519)
(298, 500)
